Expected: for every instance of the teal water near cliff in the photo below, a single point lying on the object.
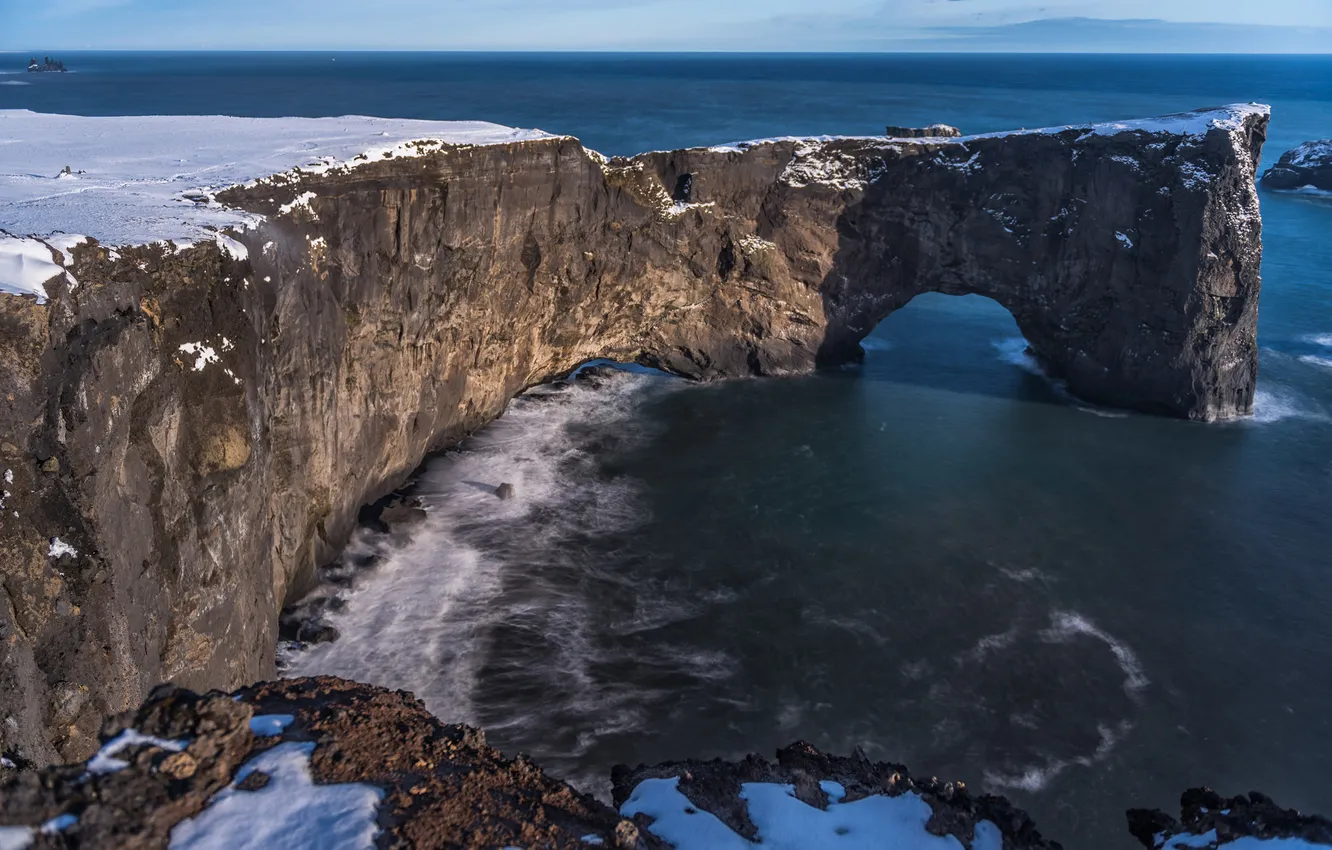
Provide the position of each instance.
(937, 556)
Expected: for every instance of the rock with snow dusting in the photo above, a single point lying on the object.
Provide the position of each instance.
(1209, 821)
(937, 131)
(203, 423)
(1308, 166)
(740, 795)
(304, 764)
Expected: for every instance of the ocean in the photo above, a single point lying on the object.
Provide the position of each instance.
(938, 556)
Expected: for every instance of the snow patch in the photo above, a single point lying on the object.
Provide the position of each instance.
(106, 762)
(786, 823)
(26, 266)
(135, 170)
(290, 812)
(203, 354)
(301, 202)
(269, 725)
(60, 549)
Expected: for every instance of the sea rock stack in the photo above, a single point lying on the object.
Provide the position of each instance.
(200, 423)
(1307, 166)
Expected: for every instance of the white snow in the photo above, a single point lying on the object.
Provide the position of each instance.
(9, 476)
(1311, 153)
(1208, 841)
(1197, 123)
(106, 762)
(290, 812)
(203, 354)
(60, 549)
(26, 265)
(269, 725)
(133, 171)
(301, 202)
(786, 823)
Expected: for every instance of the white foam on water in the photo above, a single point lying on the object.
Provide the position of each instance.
(874, 343)
(1324, 340)
(1016, 351)
(485, 600)
(1315, 360)
(1067, 625)
(1275, 404)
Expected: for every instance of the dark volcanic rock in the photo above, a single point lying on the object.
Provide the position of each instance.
(1309, 165)
(714, 786)
(1203, 810)
(411, 298)
(941, 131)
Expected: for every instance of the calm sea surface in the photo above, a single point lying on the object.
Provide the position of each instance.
(936, 556)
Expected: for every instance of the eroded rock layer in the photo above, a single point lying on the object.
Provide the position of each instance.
(188, 433)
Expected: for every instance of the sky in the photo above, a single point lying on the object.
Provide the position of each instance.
(1222, 26)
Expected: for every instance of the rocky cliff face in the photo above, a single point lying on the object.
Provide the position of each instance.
(187, 434)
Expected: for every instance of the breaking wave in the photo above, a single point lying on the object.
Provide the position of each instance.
(486, 602)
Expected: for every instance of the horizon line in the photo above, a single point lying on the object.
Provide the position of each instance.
(652, 51)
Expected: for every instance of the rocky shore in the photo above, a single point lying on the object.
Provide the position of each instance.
(189, 430)
(314, 763)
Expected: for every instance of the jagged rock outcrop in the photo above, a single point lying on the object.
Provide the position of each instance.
(307, 763)
(1309, 165)
(187, 434)
(716, 787)
(417, 782)
(1208, 821)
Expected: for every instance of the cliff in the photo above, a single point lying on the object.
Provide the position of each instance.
(188, 430)
(319, 763)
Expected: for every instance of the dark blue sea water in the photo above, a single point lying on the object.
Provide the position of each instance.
(937, 556)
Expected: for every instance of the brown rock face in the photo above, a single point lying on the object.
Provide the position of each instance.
(202, 429)
(440, 786)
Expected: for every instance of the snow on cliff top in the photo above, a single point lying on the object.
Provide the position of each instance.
(130, 174)
(1195, 123)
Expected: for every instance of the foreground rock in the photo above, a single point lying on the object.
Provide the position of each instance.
(1208, 821)
(187, 434)
(238, 772)
(830, 785)
(1307, 166)
(315, 763)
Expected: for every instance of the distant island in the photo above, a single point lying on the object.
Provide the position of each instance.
(49, 65)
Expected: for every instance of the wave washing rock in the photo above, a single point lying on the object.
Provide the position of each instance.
(190, 428)
(326, 764)
(1308, 166)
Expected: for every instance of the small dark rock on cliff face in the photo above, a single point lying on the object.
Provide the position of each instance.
(1202, 810)
(1310, 165)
